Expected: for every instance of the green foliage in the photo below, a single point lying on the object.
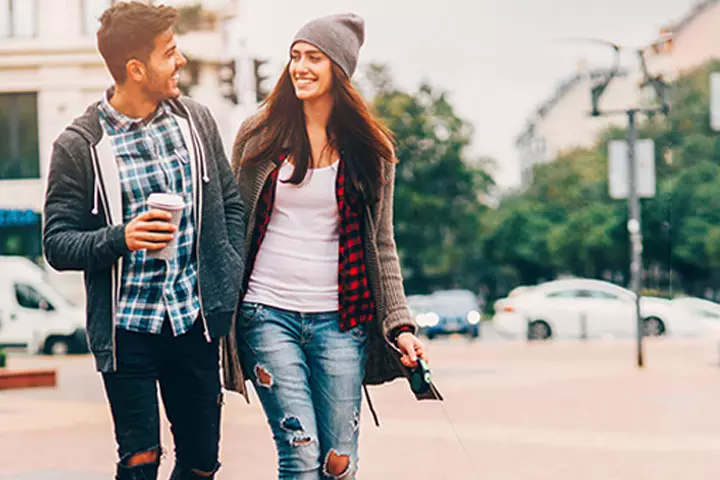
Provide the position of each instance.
(438, 189)
(566, 222)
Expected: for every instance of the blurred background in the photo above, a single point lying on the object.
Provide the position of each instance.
(503, 179)
(504, 217)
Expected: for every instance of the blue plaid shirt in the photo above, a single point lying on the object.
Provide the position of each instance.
(152, 158)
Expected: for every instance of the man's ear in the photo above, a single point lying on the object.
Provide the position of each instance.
(136, 70)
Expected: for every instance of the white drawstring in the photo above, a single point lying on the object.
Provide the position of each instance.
(96, 197)
(205, 177)
(96, 186)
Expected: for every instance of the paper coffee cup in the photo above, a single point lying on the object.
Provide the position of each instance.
(173, 204)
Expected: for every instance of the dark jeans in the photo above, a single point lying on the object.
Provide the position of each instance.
(187, 369)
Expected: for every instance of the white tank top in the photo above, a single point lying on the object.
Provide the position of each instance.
(296, 267)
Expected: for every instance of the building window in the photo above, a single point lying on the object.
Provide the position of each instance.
(19, 152)
(18, 18)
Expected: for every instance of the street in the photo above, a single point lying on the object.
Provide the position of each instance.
(561, 410)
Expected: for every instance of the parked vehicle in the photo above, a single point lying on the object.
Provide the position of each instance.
(33, 315)
(698, 313)
(447, 312)
(583, 307)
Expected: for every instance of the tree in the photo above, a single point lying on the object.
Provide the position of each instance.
(566, 222)
(516, 235)
(438, 188)
(591, 242)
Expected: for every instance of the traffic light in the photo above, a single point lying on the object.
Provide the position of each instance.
(226, 75)
(261, 91)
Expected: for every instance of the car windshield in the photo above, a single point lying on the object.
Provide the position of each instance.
(58, 294)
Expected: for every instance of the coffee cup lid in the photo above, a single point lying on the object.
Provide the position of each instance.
(165, 200)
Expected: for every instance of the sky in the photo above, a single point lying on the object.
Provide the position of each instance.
(498, 59)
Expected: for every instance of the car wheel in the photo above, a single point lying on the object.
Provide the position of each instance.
(431, 336)
(56, 346)
(539, 330)
(653, 327)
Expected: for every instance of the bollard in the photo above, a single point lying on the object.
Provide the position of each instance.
(583, 326)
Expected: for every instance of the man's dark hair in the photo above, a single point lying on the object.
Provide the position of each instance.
(128, 31)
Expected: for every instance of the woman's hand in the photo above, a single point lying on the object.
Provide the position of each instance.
(411, 348)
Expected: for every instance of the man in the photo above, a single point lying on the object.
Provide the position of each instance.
(150, 320)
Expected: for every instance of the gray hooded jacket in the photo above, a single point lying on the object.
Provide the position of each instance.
(83, 222)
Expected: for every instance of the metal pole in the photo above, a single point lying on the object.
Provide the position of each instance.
(584, 326)
(635, 233)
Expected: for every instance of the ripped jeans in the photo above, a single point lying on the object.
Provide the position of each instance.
(308, 375)
(186, 369)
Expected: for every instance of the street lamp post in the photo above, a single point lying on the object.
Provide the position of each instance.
(634, 210)
(632, 193)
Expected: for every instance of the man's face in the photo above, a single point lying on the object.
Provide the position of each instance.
(163, 66)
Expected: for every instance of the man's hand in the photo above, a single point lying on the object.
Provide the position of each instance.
(412, 348)
(151, 230)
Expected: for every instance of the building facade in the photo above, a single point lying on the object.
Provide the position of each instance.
(562, 123)
(50, 71)
(695, 38)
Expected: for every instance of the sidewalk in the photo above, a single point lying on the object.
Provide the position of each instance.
(562, 411)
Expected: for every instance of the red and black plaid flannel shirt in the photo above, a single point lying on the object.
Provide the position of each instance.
(355, 302)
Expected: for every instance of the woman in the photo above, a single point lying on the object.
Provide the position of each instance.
(324, 309)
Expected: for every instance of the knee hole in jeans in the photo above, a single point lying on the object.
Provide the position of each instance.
(336, 465)
(142, 458)
(293, 425)
(263, 377)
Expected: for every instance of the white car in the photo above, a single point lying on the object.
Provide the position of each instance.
(35, 316)
(698, 313)
(581, 307)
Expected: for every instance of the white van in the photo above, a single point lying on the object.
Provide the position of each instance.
(34, 315)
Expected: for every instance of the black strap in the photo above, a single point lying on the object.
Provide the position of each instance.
(372, 407)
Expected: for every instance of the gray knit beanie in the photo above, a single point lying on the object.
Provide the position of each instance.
(337, 36)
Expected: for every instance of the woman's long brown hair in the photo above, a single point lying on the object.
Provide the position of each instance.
(363, 142)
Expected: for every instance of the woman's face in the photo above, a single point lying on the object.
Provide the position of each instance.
(310, 71)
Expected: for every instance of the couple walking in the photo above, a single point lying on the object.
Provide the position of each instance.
(279, 267)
